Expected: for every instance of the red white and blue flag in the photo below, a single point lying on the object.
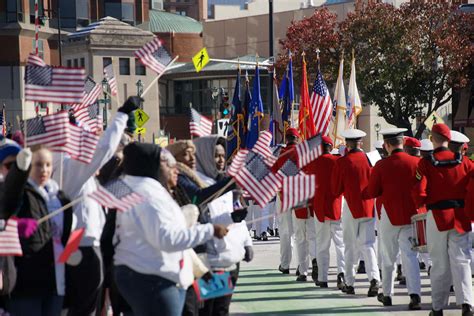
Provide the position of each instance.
(92, 92)
(154, 56)
(321, 104)
(110, 77)
(89, 117)
(50, 130)
(199, 125)
(296, 190)
(9, 239)
(117, 195)
(309, 150)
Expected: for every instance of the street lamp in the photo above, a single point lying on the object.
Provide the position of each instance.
(140, 91)
(377, 128)
(105, 101)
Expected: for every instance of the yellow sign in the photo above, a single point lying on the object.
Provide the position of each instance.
(433, 119)
(200, 59)
(141, 117)
(141, 131)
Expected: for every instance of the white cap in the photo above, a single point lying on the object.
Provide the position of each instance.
(353, 134)
(378, 144)
(426, 145)
(392, 132)
(457, 137)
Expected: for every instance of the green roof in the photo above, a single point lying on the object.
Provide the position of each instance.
(165, 22)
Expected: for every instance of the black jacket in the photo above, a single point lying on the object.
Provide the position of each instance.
(36, 269)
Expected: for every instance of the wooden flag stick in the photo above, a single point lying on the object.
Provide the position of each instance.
(59, 210)
(158, 77)
(24, 130)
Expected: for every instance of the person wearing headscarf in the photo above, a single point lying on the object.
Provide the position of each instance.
(151, 269)
(210, 158)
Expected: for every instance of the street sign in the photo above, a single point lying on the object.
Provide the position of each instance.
(222, 126)
(433, 119)
(200, 59)
(141, 131)
(141, 117)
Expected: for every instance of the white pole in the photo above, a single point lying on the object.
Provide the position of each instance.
(158, 77)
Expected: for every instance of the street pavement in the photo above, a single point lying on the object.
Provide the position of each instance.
(263, 290)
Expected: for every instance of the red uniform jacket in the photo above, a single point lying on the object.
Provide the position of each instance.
(443, 183)
(469, 201)
(351, 176)
(284, 156)
(392, 179)
(326, 206)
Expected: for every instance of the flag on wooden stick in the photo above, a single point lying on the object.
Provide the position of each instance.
(118, 195)
(296, 190)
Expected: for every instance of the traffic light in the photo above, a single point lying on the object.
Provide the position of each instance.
(225, 106)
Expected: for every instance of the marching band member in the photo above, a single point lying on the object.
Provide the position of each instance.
(392, 179)
(351, 176)
(442, 182)
(327, 209)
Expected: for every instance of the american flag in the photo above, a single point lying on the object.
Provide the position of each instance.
(296, 190)
(199, 125)
(54, 84)
(35, 60)
(89, 117)
(92, 92)
(118, 195)
(81, 144)
(309, 150)
(237, 162)
(109, 75)
(257, 179)
(154, 56)
(288, 169)
(262, 146)
(3, 121)
(50, 130)
(321, 104)
(9, 239)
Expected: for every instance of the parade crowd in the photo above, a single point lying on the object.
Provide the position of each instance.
(144, 261)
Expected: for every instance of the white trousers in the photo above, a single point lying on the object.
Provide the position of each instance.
(378, 244)
(394, 239)
(305, 241)
(285, 224)
(258, 212)
(359, 234)
(325, 232)
(450, 254)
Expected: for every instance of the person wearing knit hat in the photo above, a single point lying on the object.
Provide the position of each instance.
(411, 146)
(442, 179)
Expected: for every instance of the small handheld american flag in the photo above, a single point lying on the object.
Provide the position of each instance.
(9, 239)
(109, 75)
(199, 125)
(92, 92)
(118, 195)
(154, 56)
(309, 150)
(296, 190)
(50, 130)
(89, 117)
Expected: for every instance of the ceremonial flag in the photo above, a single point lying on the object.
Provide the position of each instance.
(109, 75)
(236, 131)
(154, 56)
(297, 190)
(354, 105)
(199, 125)
(54, 84)
(245, 109)
(117, 195)
(92, 92)
(256, 112)
(339, 123)
(35, 60)
(50, 130)
(305, 114)
(9, 239)
(3, 121)
(321, 104)
(309, 150)
(89, 117)
(257, 179)
(287, 95)
(276, 123)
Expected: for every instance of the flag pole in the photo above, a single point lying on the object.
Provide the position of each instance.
(158, 77)
(304, 117)
(237, 116)
(256, 65)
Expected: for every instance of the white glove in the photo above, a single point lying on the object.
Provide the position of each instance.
(23, 159)
(191, 214)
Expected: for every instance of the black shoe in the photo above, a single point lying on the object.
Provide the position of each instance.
(415, 302)
(271, 231)
(385, 300)
(451, 289)
(399, 273)
(374, 288)
(264, 236)
(314, 272)
(422, 266)
(277, 234)
(380, 273)
(436, 313)
(361, 267)
(284, 271)
(340, 281)
(297, 271)
(349, 290)
(467, 310)
(301, 278)
(403, 281)
(321, 284)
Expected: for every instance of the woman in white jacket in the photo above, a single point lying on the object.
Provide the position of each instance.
(150, 269)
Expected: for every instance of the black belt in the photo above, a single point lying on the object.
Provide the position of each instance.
(445, 204)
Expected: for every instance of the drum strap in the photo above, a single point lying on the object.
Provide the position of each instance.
(445, 204)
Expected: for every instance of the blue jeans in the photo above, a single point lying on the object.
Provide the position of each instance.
(149, 294)
(35, 306)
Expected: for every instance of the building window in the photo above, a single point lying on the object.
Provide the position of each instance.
(82, 62)
(69, 63)
(140, 69)
(156, 4)
(32, 10)
(124, 66)
(123, 11)
(106, 61)
(76, 63)
(14, 12)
